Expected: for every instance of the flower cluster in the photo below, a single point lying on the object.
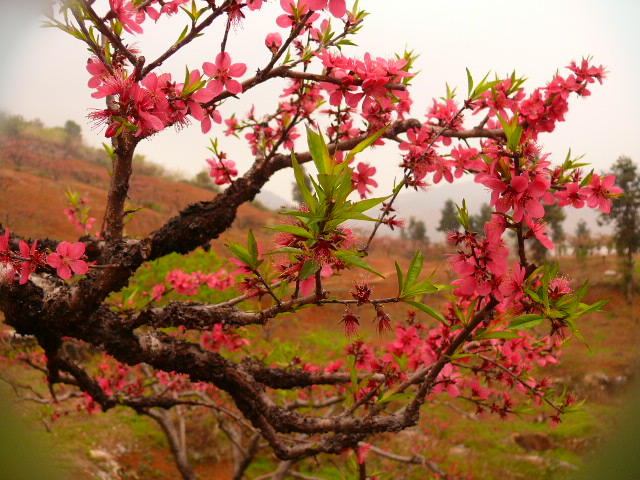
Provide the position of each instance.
(189, 283)
(376, 82)
(222, 170)
(481, 263)
(156, 101)
(597, 194)
(422, 158)
(485, 380)
(540, 111)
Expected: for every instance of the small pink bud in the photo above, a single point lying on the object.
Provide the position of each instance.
(273, 42)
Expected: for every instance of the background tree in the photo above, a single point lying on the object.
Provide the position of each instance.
(582, 242)
(73, 137)
(203, 179)
(625, 218)
(415, 231)
(478, 221)
(448, 220)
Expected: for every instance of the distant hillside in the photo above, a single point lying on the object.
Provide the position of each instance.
(38, 164)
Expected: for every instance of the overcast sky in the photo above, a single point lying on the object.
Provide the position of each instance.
(43, 74)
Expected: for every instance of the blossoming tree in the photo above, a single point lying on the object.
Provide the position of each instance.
(483, 346)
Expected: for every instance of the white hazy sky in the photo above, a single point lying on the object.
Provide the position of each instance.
(43, 70)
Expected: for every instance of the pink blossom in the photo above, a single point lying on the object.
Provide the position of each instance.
(599, 192)
(158, 291)
(222, 170)
(273, 42)
(522, 194)
(351, 323)
(98, 72)
(68, 258)
(533, 107)
(362, 179)
(218, 337)
(127, 15)
(465, 159)
(222, 72)
(559, 287)
(539, 231)
(418, 141)
(498, 99)
(586, 72)
(447, 381)
(254, 4)
(205, 116)
(383, 320)
(7, 270)
(442, 170)
(345, 89)
(572, 195)
(361, 453)
(34, 259)
(294, 12)
(119, 84)
(514, 286)
(337, 7)
(334, 366)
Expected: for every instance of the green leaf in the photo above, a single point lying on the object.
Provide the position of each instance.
(428, 310)
(421, 288)
(463, 215)
(469, 83)
(483, 87)
(496, 334)
(545, 286)
(319, 152)
(582, 291)
(364, 144)
(534, 295)
(309, 268)
(347, 42)
(343, 188)
(587, 180)
(596, 307)
(188, 13)
(400, 279)
(328, 183)
(253, 248)
(297, 213)
(512, 131)
(292, 250)
(415, 267)
(524, 322)
(342, 215)
(459, 356)
(183, 34)
(368, 204)
(292, 229)
(240, 253)
(309, 199)
(351, 258)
